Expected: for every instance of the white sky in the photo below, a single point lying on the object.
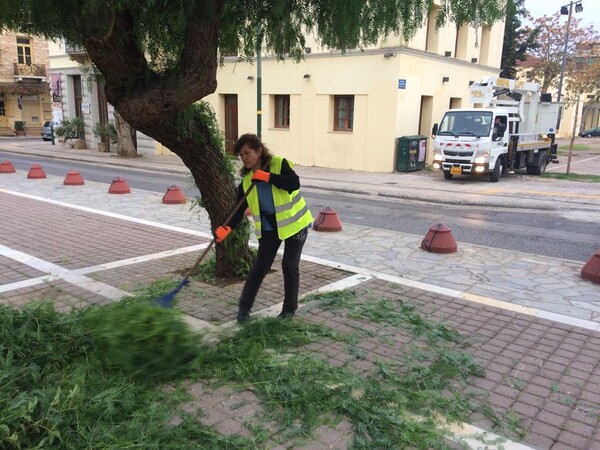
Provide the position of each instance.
(590, 14)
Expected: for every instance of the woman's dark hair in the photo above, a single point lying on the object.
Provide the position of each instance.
(254, 142)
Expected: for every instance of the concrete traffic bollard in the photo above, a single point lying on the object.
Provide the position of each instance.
(174, 196)
(119, 186)
(73, 178)
(439, 239)
(327, 220)
(591, 269)
(36, 172)
(7, 167)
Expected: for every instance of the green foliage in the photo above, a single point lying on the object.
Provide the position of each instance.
(573, 177)
(207, 270)
(105, 131)
(69, 129)
(160, 29)
(142, 339)
(517, 41)
(302, 389)
(202, 113)
(57, 394)
(54, 393)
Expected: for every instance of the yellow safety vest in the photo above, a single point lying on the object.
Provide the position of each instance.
(291, 212)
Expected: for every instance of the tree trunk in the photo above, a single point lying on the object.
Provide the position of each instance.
(573, 135)
(163, 106)
(125, 147)
(194, 144)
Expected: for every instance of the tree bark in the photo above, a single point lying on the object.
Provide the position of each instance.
(571, 143)
(210, 170)
(126, 147)
(161, 105)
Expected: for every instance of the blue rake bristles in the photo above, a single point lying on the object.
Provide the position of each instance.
(166, 301)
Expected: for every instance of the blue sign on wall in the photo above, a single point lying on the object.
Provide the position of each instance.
(401, 84)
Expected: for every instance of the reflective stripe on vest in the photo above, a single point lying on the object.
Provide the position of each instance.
(291, 211)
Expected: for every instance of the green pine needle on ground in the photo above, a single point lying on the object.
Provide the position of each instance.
(116, 377)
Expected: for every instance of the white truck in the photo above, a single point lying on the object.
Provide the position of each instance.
(514, 130)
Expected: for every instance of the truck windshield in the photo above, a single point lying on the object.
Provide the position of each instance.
(466, 123)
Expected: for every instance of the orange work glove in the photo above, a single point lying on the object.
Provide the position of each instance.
(261, 175)
(221, 233)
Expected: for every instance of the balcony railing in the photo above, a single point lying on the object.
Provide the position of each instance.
(30, 70)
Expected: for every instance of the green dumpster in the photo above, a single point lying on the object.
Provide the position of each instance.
(410, 153)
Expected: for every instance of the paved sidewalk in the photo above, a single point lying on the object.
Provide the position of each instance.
(537, 320)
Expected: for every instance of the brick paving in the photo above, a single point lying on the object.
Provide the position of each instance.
(75, 239)
(65, 296)
(546, 373)
(11, 271)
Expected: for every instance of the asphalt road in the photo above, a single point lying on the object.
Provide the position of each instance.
(546, 233)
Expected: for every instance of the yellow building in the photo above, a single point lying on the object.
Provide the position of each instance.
(333, 109)
(347, 110)
(24, 88)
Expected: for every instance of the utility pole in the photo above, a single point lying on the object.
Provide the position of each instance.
(566, 10)
(259, 82)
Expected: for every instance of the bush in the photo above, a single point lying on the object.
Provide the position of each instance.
(66, 130)
(105, 131)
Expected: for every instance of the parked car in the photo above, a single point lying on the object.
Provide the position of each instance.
(591, 132)
(47, 130)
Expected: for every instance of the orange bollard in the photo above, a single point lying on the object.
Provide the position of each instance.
(174, 196)
(36, 172)
(73, 178)
(439, 239)
(591, 269)
(119, 186)
(7, 167)
(327, 220)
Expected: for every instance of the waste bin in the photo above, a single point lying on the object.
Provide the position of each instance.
(410, 153)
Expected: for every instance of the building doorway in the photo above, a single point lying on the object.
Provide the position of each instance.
(425, 123)
(78, 96)
(231, 121)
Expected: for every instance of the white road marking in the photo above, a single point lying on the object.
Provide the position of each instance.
(110, 214)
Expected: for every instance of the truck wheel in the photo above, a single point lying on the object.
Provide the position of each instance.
(447, 175)
(543, 164)
(540, 168)
(495, 175)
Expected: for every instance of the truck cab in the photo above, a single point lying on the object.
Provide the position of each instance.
(470, 141)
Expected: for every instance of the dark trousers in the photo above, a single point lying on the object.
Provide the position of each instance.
(268, 245)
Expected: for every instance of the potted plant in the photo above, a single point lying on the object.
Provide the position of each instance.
(102, 132)
(79, 142)
(19, 128)
(65, 131)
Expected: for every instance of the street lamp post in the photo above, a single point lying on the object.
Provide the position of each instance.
(259, 82)
(566, 10)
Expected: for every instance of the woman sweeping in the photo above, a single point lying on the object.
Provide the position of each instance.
(280, 214)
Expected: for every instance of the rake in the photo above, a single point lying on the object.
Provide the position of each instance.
(166, 300)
